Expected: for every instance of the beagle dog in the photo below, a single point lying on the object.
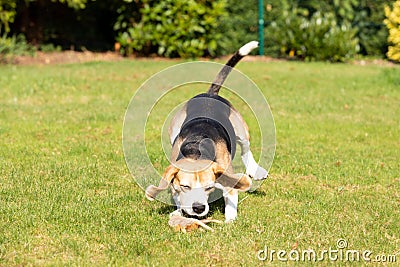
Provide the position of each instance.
(203, 135)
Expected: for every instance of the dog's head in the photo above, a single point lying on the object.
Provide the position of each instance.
(193, 181)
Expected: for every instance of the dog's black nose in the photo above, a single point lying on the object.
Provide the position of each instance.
(198, 207)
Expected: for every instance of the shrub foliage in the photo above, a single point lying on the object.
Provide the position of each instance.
(15, 45)
(316, 38)
(7, 14)
(175, 28)
(360, 20)
(393, 23)
(312, 30)
(240, 26)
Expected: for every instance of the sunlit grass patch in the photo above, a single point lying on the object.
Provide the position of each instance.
(67, 197)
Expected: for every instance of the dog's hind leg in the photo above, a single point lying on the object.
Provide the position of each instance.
(252, 168)
(243, 139)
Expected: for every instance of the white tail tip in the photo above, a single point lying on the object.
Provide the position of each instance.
(247, 48)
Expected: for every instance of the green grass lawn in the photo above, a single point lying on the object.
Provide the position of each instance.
(67, 197)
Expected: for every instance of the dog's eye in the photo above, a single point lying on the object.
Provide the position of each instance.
(185, 187)
(209, 188)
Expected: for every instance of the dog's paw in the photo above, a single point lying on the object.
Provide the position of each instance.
(252, 168)
(230, 218)
(255, 171)
(230, 214)
(228, 221)
(260, 174)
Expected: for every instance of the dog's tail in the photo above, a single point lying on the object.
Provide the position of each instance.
(224, 72)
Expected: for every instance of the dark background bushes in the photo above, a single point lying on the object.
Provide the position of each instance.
(332, 30)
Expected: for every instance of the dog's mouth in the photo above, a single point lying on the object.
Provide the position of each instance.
(185, 214)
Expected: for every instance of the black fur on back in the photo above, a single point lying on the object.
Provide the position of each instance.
(207, 119)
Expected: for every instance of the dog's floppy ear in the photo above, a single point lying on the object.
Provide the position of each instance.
(152, 191)
(238, 181)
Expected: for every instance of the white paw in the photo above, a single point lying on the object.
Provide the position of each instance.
(229, 220)
(260, 174)
(252, 168)
(230, 214)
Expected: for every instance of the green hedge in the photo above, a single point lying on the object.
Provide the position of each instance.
(194, 28)
(316, 38)
(175, 28)
(239, 27)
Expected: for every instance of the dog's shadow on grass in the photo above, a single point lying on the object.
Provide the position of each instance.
(166, 209)
(217, 206)
(257, 193)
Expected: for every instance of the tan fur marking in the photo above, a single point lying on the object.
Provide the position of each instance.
(223, 158)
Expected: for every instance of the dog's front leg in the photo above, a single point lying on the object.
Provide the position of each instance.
(231, 203)
(178, 210)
